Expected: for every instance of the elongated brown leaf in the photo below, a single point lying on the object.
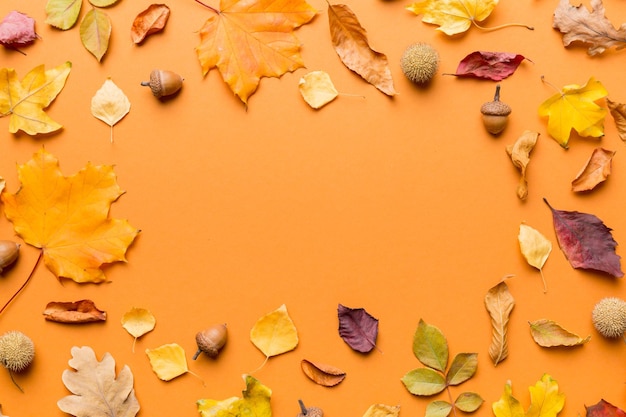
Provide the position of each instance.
(350, 41)
(596, 170)
(322, 374)
(548, 333)
(149, 21)
(83, 311)
(499, 303)
(618, 111)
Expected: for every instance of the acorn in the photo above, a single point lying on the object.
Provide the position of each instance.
(309, 411)
(419, 62)
(17, 352)
(210, 341)
(609, 317)
(163, 83)
(495, 114)
(8, 253)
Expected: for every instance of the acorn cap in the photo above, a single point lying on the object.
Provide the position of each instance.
(495, 108)
(16, 351)
(609, 317)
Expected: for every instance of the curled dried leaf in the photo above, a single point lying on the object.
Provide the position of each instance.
(548, 333)
(83, 311)
(17, 29)
(382, 410)
(317, 89)
(149, 21)
(596, 170)
(618, 111)
(494, 66)
(499, 303)
(520, 156)
(322, 374)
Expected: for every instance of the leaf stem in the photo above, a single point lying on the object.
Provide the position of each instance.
(15, 382)
(32, 272)
(543, 80)
(208, 7)
(506, 25)
(451, 401)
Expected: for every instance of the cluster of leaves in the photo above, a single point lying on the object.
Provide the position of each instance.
(545, 400)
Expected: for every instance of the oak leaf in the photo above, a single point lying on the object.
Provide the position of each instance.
(548, 333)
(168, 361)
(535, 247)
(151, 20)
(68, 217)
(24, 101)
(494, 66)
(110, 104)
(83, 311)
(63, 14)
(519, 153)
(322, 374)
(274, 333)
(595, 171)
(349, 39)
(586, 242)
(17, 29)
(574, 107)
(317, 89)
(382, 410)
(604, 409)
(255, 401)
(618, 111)
(499, 303)
(357, 328)
(97, 391)
(95, 32)
(249, 40)
(577, 24)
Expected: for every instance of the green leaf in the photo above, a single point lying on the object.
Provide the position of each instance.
(430, 346)
(468, 402)
(463, 368)
(103, 3)
(438, 409)
(424, 381)
(95, 32)
(63, 14)
(507, 405)
(254, 402)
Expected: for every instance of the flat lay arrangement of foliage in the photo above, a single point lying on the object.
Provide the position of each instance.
(65, 215)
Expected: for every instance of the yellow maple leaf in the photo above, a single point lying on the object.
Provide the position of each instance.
(545, 398)
(507, 405)
(67, 217)
(168, 361)
(24, 101)
(574, 107)
(247, 40)
(274, 333)
(255, 401)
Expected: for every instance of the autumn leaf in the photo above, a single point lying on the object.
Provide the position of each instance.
(322, 374)
(317, 89)
(438, 408)
(357, 328)
(83, 311)
(468, 402)
(604, 409)
(545, 398)
(548, 333)
(507, 405)
(382, 410)
(110, 104)
(456, 16)
(138, 321)
(95, 32)
(424, 381)
(519, 153)
(63, 14)
(103, 3)
(494, 66)
(499, 303)
(17, 29)
(149, 21)
(349, 39)
(274, 333)
(68, 217)
(574, 107)
(97, 391)
(24, 101)
(168, 361)
(577, 24)
(255, 401)
(618, 111)
(462, 368)
(586, 242)
(430, 346)
(596, 170)
(535, 247)
(249, 40)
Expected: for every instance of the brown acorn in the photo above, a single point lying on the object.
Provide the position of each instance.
(163, 83)
(495, 114)
(211, 341)
(309, 411)
(9, 252)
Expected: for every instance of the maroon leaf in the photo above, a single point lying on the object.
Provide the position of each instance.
(17, 29)
(494, 66)
(357, 328)
(604, 409)
(586, 242)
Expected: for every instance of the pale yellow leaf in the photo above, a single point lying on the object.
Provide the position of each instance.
(110, 104)
(382, 410)
(95, 32)
(317, 89)
(548, 333)
(137, 322)
(168, 361)
(275, 333)
(535, 247)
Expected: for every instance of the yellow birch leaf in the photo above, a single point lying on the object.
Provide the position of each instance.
(507, 405)
(547, 333)
(519, 153)
(535, 248)
(317, 89)
(24, 101)
(545, 398)
(95, 32)
(63, 14)
(382, 410)
(275, 333)
(255, 401)
(574, 107)
(168, 361)
(110, 104)
(137, 322)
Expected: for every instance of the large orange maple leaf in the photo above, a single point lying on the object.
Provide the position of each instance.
(250, 39)
(68, 217)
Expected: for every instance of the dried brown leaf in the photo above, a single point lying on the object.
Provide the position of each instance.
(618, 111)
(350, 41)
(83, 311)
(548, 333)
(150, 21)
(322, 374)
(499, 303)
(596, 170)
(520, 156)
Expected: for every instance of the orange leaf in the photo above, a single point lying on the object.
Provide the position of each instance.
(67, 217)
(247, 40)
(83, 311)
(618, 111)
(596, 170)
(150, 21)
(322, 374)
(350, 41)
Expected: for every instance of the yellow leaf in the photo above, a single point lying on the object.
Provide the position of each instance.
(137, 322)
(548, 333)
(317, 89)
(248, 40)
(110, 104)
(67, 217)
(507, 405)
(545, 399)
(254, 402)
(168, 361)
(95, 32)
(63, 14)
(382, 410)
(275, 333)
(535, 248)
(453, 16)
(24, 101)
(574, 107)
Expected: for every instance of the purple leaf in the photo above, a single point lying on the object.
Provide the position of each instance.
(586, 242)
(494, 66)
(357, 328)
(17, 29)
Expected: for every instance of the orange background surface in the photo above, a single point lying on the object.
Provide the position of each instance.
(404, 206)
